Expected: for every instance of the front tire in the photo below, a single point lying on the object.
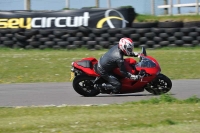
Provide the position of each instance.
(162, 84)
(84, 85)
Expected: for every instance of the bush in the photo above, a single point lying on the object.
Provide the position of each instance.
(193, 99)
(128, 6)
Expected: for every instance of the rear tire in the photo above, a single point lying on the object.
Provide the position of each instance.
(84, 86)
(161, 85)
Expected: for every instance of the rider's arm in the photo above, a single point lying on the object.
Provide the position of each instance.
(134, 54)
(122, 68)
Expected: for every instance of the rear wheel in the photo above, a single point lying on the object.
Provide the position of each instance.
(159, 86)
(84, 85)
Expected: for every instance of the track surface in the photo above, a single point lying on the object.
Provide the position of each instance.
(39, 94)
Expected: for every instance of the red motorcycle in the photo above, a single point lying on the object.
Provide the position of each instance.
(84, 76)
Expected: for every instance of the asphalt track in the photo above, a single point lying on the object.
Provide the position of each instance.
(42, 94)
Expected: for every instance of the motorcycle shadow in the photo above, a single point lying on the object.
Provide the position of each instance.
(124, 95)
(128, 95)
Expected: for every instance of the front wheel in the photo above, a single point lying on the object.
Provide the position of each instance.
(162, 84)
(84, 85)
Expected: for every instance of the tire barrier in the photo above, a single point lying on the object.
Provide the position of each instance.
(100, 38)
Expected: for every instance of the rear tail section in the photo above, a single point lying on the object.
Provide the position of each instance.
(86, 66)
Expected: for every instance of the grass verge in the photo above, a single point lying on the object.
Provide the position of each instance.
(164, 114)
(150, 18)
(28, 66)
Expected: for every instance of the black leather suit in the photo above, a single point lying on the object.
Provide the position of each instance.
(108, 62)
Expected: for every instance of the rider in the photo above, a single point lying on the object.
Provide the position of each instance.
(112, 59)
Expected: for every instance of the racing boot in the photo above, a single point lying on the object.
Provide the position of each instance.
(98, 86)
(106, 87)
(112, 88)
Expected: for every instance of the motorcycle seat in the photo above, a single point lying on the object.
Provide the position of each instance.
(85, 63)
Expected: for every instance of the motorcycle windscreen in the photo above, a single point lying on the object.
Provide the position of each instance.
(146, 63)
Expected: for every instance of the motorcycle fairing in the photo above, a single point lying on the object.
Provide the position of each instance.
(131, 66)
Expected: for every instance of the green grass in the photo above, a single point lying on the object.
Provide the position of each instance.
(28, 66)
(150, 18)
(166, 115)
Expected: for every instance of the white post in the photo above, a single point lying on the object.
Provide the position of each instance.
(197, 7)
(152, 7)
(109, 3)
(170, 7)
(179, 9)
(97, 3)
(166, 10)
(67, 3)
(27, 4)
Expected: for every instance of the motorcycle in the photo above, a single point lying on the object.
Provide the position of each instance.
(84, 75)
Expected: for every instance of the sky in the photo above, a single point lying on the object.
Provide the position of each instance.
(141, 6)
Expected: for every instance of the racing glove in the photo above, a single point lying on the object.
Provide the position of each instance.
(135, 54)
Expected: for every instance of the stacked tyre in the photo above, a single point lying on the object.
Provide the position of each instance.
(7, 38)
(150, 35)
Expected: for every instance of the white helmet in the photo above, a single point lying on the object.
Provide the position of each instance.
(126, 45)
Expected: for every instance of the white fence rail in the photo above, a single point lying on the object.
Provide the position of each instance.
(169, 7)
(140, 6)
(149, 7)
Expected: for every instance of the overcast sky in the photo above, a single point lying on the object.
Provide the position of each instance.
(141, 6)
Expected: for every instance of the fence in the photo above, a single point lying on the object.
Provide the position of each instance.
(170, 5)
(141, 6)
(153, 7)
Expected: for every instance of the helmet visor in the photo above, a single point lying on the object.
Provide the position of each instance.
(129, 50)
